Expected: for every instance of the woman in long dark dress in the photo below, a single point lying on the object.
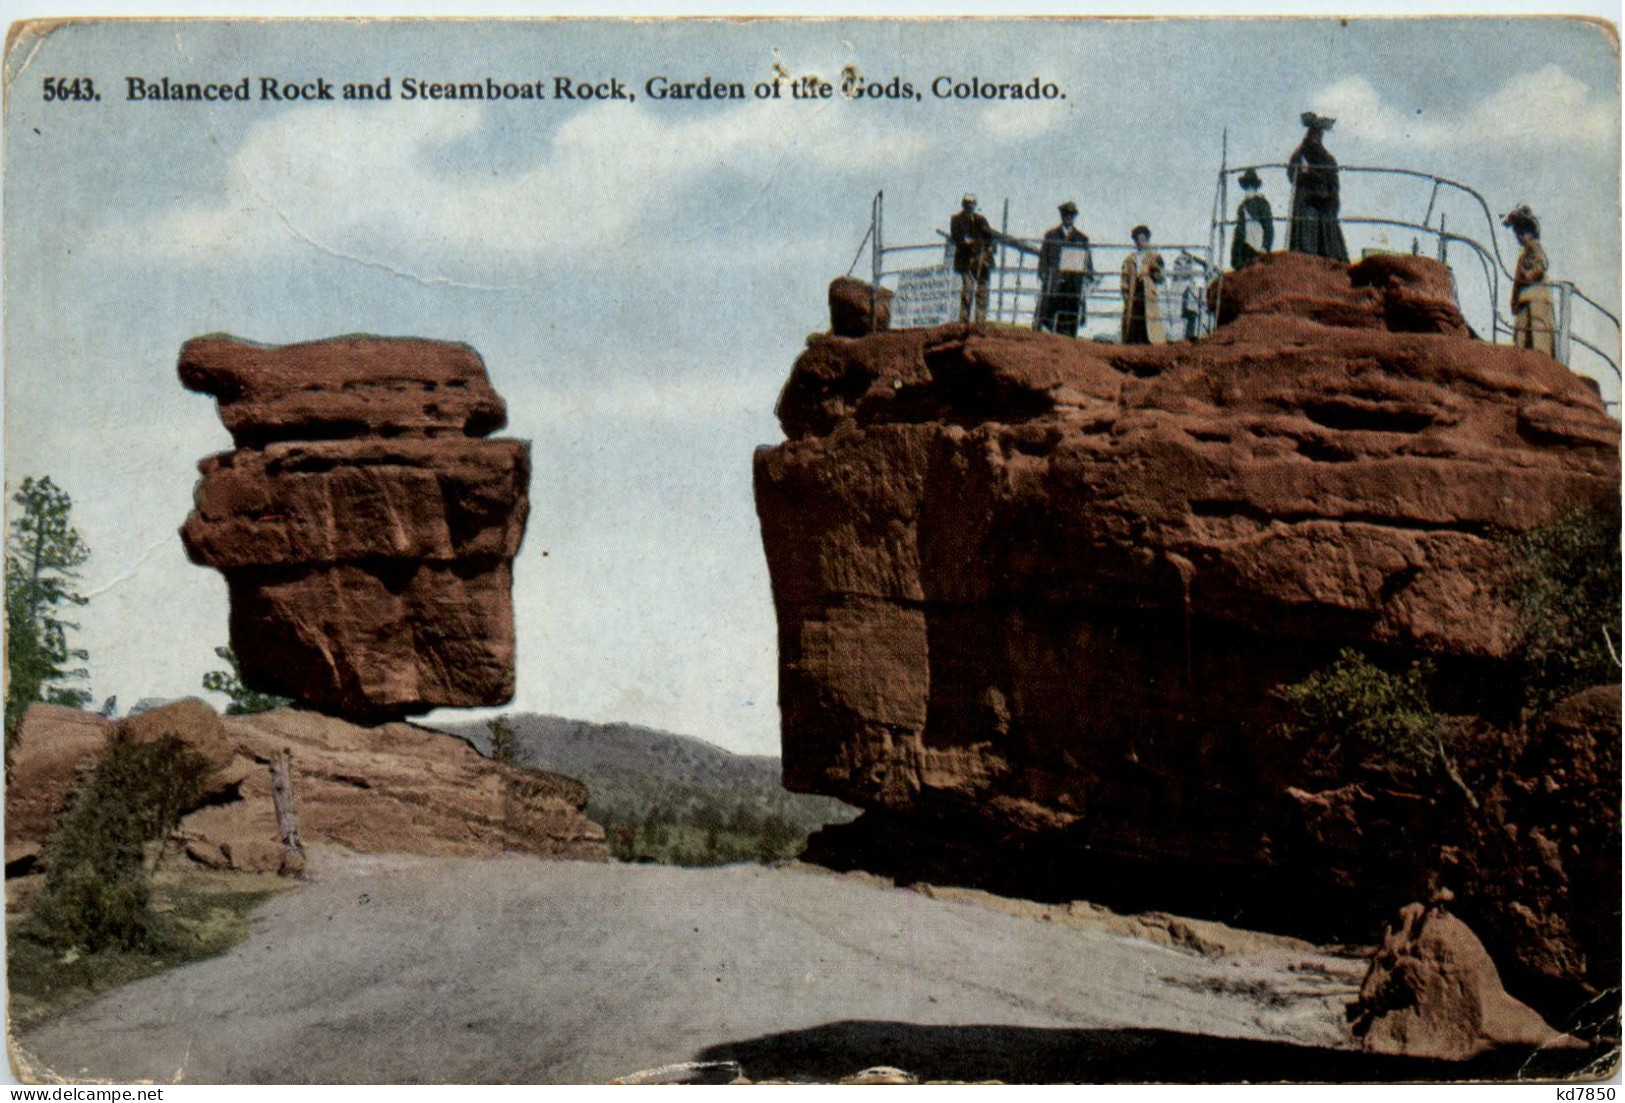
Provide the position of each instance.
(1313, 172)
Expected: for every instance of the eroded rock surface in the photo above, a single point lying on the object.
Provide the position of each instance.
(1034, 593)
(1432, 991)
(391, 789)
(365, 531)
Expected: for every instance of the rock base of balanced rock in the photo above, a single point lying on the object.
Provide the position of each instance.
(1432, 991)
(392, 788)
(366, 533)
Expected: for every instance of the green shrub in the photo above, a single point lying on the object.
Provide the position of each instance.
(1566, 593)
(96, 893)
(1354, 714)
(676, 824)
(204, 913)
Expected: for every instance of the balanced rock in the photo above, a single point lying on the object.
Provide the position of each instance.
(1034, 593)
(365, 531)
(1432, 991)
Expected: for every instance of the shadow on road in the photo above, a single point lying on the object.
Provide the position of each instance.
(1034, 1055)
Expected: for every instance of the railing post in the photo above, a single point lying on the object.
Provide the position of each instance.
(877, 253)
(1215, 235)
(1003, 254)
(1565, 321)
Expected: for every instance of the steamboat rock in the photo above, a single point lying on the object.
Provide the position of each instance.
(1034, 596)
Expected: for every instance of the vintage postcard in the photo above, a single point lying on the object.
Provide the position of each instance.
(812, 551)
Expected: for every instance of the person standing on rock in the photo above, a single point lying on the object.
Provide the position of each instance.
(1142, 274)
(1065, 268)
(1255, 223)
(973, 257)
(1313, 172)
(1533, 322)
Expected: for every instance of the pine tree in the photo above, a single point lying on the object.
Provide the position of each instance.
(43, 555)
(504, 740)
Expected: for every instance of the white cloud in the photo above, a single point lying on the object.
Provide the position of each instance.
(383, 185)
(1545, 107)
(1021, 121)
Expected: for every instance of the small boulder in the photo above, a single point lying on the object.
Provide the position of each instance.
(1433, 991)
(205, 853)
(849, 307)
(190, 721)
(882, 1074)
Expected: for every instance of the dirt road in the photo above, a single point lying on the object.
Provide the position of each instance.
(515, 969)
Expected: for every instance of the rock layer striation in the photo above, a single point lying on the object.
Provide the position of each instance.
(1034, 594)
(366, 532)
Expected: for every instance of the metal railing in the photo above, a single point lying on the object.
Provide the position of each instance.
(1584, 329)
(926, 290)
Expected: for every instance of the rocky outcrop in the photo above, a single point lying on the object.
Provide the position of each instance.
(1432, 991)
(53, 744)
(1535, 867)
(1034, 594)
(394, 788)
(366, 533)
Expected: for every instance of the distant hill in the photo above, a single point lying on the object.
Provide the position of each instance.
(579, 747)
(669, 798)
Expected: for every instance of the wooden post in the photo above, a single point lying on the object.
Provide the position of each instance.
(287, 824)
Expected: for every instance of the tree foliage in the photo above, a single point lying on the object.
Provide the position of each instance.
(43, 555)
(230, 682)
(96, 894)
(1566, 593)
(504, 740)
(1354, 714)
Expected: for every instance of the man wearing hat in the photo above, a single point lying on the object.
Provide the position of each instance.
(1142, 275)
(1255, 224)
(973, 257)
(1533, 322)
(1065, 268)
(1313, 172)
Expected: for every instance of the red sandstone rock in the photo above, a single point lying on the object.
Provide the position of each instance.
(344, 387)
(53, 744)
(1030, 588)
(370, 574)
(1528, 866)
(1432, 991)
(342, 501)
(389, 789)
(1398, 293)
(194, 724)
(850, 304)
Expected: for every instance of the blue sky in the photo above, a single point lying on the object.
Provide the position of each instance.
(640, 276)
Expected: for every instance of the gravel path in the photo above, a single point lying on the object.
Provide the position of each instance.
(519, 970)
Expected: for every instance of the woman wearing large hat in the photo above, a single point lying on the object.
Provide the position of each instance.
(1255, 223)
(1141, 276)
(1534, 325)
(1315, 203)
